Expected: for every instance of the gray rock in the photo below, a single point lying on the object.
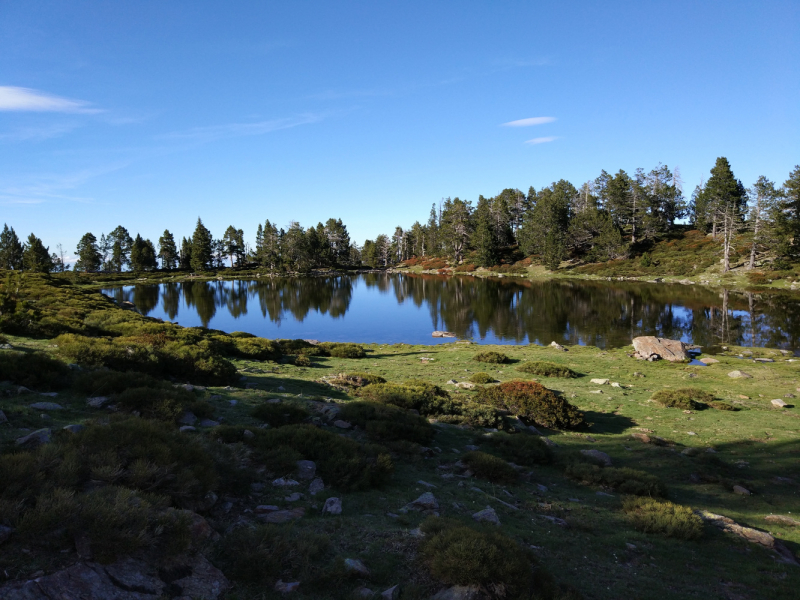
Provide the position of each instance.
(598, 455)
(316, 486)
(557, 346)
(333, 506)
(354, 565)
(285, 587)
(739, 375)
(46, 406)
(5, 533)
(248, 435)
(37, 438)
(465, 385)
(533, 430)
(548, 442)
(742, 491)
(541, 488)
(73, 428)
(341, 424)
(426, 502)
(208, 423)
(459, 592)
(23, 390)
(777, 519)
(284, 482)
(393, 592)
(49, 394)
(599, 381)
(97, 401)
(426, 484)
(779, 403)
(487, 515)
(187, 429)
(364, 592)
(709, 361)
(187, 418)
(649, 347)
(293, 497)
(763, 360)
(306, 469)
(452, 382)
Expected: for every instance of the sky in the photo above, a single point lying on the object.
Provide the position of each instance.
(152, 114)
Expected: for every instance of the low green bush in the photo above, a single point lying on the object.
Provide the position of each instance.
(482, 378)
(339, 350)
(358, 379)
(301, 360)
(531, 400)
(489, 467)
(720, 405)
(154, 403)
(254, 348)
(685, 398)
(387, 423)
(657, 516)
(623, 480)
(546, 369)
(277, 415)
(34, 370)
(522, 449)
(491, 357)
(424, 397)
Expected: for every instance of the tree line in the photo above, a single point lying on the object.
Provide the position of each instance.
(610, 217)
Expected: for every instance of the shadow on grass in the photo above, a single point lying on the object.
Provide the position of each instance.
(603, 422)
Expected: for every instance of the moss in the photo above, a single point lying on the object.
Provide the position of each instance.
(656, 516)
(685, 398)
(546, 369)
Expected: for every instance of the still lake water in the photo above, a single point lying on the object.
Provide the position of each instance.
(392, 308)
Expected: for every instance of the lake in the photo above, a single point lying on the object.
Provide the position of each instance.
(393, 308)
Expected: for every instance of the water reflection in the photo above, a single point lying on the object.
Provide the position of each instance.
(496, 310)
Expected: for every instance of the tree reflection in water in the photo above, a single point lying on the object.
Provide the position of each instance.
(509, 310)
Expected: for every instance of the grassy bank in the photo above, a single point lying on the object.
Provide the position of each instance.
(570, 526)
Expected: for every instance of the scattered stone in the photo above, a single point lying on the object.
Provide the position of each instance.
(763, 360)
(789, 395)
(306, 469)
(555, 520)
(541, 488)
(293, 497)
(393, 592)
(690, 433)
(598, 455)
(284, 482)
(46, 406)
(642, 437)
(354, 565)
(285, 587)
(599, 381)
(332, 506)
(471, 447)
(604, 494)
(779, 403)
(283, 516)
(548, 442)
(459, 592)
(73, 428)
(616, 384)
(274, 400)
(739, 375)
(533, 430)
(709, 361)
(637, 374)
(316, 486)
(465, 385)
(188, 418)
(97, 401)
(690, 451)
(426, 484)
(5, 533)
(777, 519)
(487, 515)
(755, 536)
(247, 434)
(452, 382)
(417, 532)
(187, 429)
(557, 346)
(364, 592)
(595, 391)
(742, 491)
(341, 424)
(653, 348)
(37, 438)
(263, 509)
(447, 334)
(426, 503)
(782, 480)
(630, 546)
(23, 390)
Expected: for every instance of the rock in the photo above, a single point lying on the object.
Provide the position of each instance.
(779, 403)
(187, 418)
(46, 406)
(332, 506)
(364, 592)
(23, 390)
(354, 565)
(73, 428)
(557, 346)
(755, 536)
(595, 391)
(548, 442)
(5, 533)
(459, 592)
(284, 482)
(533, 430)
(37, 438)
(452, 382)
(306, 469)
(649, 347)
(555, 520)
(341, 424)
(616, 384)
(599, 381)
(709, 361)
(446, 334)
(263, 509)
(739, 375)
(465, 385)
(391, 594)
(426, 502)
(187, 429)
(283, 516)
(642, 437)
(604, 494)
(598, 455)
(293, 497)
(316, 486)
(248, 435)
(426, 484)
(97, 401)
(285, 587)
(208, 423)
(777, 519)
(737, 489)
(487, 515)
(3, 418)
(789, 395)
(763, 360)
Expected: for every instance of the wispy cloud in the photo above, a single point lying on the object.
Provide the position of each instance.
(37, 134)
(38, 189)
(215, 132)
(28, 100)
(541, 140)
(349, 94)
(529, 122)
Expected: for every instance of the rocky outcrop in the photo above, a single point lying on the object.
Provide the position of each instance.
(126, 579)
(754, 536)
(651, 348)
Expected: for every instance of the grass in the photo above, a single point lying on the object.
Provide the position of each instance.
(142, 467)
(685, 398)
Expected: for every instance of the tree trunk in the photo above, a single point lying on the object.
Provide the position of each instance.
(755, 236)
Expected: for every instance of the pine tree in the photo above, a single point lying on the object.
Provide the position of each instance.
(120, 243)
(202, 253)
(455, 227)
(167, 250)
(762, 214)
(10, 250)
(185, 260)
(233, 245)
(544, 232)
(484, 239)
(269, 255)
(788, 218)
(143, 255)
(432, 246)
(36, 257)
(88, 255)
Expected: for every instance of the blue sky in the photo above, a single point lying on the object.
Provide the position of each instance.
(150, 114)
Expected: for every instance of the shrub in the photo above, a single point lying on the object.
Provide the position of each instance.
(357, 379)
(624, 480)
(338, 350)
(685, 398)
(301, 360)
(255, 348)
(523, 449)
(546, 369)
(424, 397)
(758, 278)
(672, 520)
(154, 403)
(465, 268)
(104, 382)
(491, 357)
(33, 370)
(489, 467)
(387, 423)
(277, 415)
(434, 264)
(720, 405)
(481, 378)
(531, 400)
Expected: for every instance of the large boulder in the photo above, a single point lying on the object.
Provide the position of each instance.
(649, 347)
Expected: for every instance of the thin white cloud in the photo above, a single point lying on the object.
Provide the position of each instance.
(541, 140)
(28, 100)
(37, 134)
(40, 188)
(215, 132)
(529, 122)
